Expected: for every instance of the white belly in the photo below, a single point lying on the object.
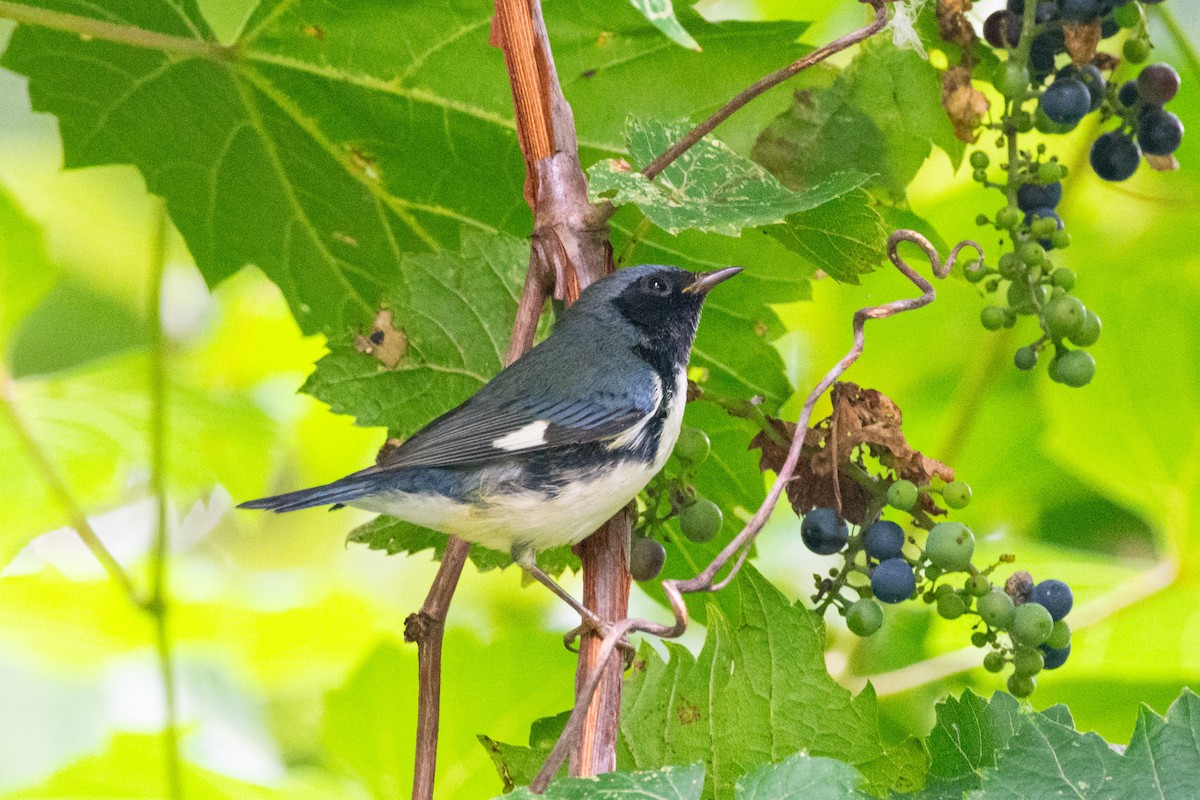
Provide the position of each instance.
(532, 518)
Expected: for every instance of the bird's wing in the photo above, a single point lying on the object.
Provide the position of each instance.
(484, 430)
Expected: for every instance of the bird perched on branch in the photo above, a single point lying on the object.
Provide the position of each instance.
(557, 442)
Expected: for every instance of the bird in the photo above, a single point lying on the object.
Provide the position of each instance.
(557, 442)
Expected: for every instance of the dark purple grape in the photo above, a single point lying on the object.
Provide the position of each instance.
(1129, 95)
(1046, 10)
(646, 557)
(1002, 29)
(1039, 195)
(1092, 78)
(1016, 6)
(1066, 101)
(1115, 156)
(1056, 596)
(1043, 51)
(892, 581)
(822, 531)
(1109, 27)
(1079, 10)
(1055, 658)
(884, 540)
(1159, 132)
(1158, 83)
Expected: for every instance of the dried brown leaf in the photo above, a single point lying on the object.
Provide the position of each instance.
(1082, 38)
(965, 105)
(386, 342)
(953, 25)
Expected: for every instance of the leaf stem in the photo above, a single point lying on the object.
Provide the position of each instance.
(157, 603)
(88, 28)
(58, 487)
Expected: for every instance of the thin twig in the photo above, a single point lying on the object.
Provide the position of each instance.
(157, 604)
(652, 170)
(740, 545)
(58, 487)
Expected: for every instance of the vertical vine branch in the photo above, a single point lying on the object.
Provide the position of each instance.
(740, 545)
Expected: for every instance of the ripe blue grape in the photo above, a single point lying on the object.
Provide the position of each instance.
(1092, 78)
(1056, 596)
(1002, 29)
(1128, 94)
(1080, 10)
(1159, 132)
(1158, 83)
(1039, 195)
(1054, 657)
(646, 558)
(892, 581)
(884, 540)
(822, 531)
(1066, 101)
(1115, 156)
(1042, 53)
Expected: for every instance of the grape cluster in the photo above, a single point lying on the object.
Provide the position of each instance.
(1047, 92)
(1020, 623)
(700, 519)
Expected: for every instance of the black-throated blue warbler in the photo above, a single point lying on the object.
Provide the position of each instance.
(558, 441)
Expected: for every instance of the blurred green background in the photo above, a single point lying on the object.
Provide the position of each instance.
(293, 674)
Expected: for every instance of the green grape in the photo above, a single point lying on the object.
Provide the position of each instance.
(1032, 624)
(1021, 685)
(646, 557)
(950, 546)
(979, 639)
(993, 317)
(1011, 266)
(956, 494)
(1128, 15)
(993, 662)
(1023, 121)
(943, 590)
(1049, 172)
(1063, 278)
(693, 445)
(1065, 315)
(864, 617)
(1027, 661)
(1008, 217)
(1136, 50)
(1076, 368)
(977, 586)
(1060, 637)
(1061, 239)
(996, 609)
(979, 159)
(975, 272)
(1014, 81)
(903, 495)
(1025, 358)
(701, 520)
(1033, 253)
(932, 573)
(1088, 332)
(1043, 226)
(980, 175)
(951, 606)
(981, 220)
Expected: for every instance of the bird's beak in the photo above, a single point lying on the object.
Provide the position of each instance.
(707, 280)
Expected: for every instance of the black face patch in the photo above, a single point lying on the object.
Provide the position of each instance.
(666, 315)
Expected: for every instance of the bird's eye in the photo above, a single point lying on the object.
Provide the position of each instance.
(658, 286)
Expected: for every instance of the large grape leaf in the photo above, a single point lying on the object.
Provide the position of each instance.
(802, 777)
(26, 272)
(330, 139)
(709, 187)
(844, 237)
(882, 116)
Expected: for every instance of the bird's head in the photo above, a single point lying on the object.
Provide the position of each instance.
(660, 303)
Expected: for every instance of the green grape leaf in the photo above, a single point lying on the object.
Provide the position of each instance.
(669, 783)
(1163, 756)
(515, 764)
(394, 536)
(764, 662)
(661, 14)
(965, 739)
(331, 140)
(844, 237)
(26, 272)
(882, 116)
(442, 334)
(708, 188)
(802, 777)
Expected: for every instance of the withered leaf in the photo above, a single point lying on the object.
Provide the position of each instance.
(965, 105)
(386, 342)
(1081, 40)
(864, 421)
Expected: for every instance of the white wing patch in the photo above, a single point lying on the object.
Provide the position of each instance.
(525, 437)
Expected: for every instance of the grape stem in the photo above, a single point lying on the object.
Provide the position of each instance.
(738, 549)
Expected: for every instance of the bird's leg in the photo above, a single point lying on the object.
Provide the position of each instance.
(525, 557)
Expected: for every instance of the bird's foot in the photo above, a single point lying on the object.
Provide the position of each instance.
(599, 628)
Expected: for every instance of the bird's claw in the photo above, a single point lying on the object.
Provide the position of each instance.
(600, 629)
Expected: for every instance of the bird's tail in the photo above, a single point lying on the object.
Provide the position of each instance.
(340, 491)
